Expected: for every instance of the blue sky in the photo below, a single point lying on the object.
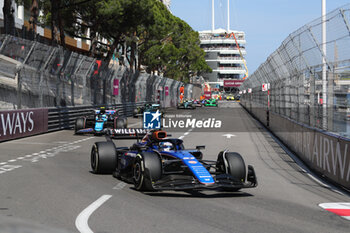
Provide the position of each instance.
(266, 22)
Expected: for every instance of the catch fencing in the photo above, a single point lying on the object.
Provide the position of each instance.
(35, 75)
(294, 72)
(294, 106)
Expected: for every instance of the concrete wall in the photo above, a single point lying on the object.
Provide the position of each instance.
(323, 152)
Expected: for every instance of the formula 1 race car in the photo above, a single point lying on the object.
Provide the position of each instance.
(186, 104)
(197, 103)
(230, 97)
(211, 103)
(161, 163)
(146, 108)
(99, 121)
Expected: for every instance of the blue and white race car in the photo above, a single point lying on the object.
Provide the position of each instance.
(99, 121)
(161, 163)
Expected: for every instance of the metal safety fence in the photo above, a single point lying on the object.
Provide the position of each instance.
(64, 118)
(35, 75)
(294, 75)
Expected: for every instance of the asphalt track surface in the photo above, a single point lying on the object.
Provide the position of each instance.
(46, 180)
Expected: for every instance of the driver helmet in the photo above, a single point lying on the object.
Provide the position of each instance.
(166, 146)
(102, 110)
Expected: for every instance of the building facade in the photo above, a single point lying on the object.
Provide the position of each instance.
(224, 55)
(167, 3)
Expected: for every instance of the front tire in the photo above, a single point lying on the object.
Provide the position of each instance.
(136, 111)
(233, 164)
(147, 169)
(79, 124)
(103, 158)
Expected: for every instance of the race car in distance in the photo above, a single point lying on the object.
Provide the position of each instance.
(146, 108)
(197, 103)
(99, 121)
(211, 103)
(216, 95)
(161, 163)
(186, 104)
(230, 97)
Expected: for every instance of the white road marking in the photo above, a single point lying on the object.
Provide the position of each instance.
(185, 134)
(229, 135)
(44, 154)
(81, 222)
(135, 124)
(119, 186)
(31, 143)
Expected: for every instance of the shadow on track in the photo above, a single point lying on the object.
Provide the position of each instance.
(197, 194)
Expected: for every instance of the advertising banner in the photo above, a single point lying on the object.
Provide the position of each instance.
(21, 123)
(116, 87)
(233, 83)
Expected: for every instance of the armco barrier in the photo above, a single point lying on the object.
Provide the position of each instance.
(325, 153)
(64, 118)
(21, 123)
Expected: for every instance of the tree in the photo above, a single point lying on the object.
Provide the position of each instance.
(146, 28)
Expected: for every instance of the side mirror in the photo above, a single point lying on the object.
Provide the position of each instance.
(200, 147)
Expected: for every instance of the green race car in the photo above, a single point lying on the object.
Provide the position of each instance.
(211, 103)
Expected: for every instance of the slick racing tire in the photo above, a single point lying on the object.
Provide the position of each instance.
(136, 111)
(233, 164)
(103, 158)
(125, 122)
(193, 106)
(79, 124)
(147, 169)
(120, 123)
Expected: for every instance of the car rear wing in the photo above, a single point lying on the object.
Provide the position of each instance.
(127, 133)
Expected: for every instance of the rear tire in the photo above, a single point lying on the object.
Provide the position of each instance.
(125, 122)
(103, 158)
(147, 169)
(120, 123)
(79, 124)
(233, 164)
